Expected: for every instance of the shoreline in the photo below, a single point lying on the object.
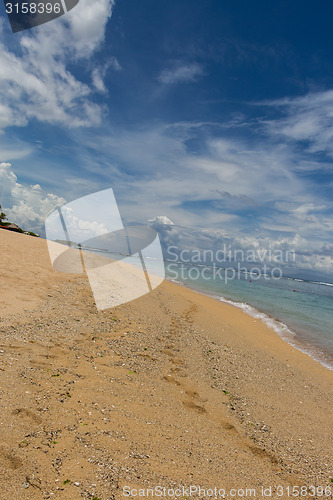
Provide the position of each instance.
(285, 332)
(175, 388)
(292, 337)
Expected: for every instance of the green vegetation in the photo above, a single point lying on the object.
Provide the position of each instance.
(67, 481)
(2, 216)
(30, 233)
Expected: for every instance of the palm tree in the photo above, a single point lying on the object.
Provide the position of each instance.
(2, 216)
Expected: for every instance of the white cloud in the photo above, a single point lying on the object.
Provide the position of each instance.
(14, 149)
(290, 254)
(228, 185)
(180, 73)
(79, 228)
(155, 165)
(98, 80)
(160, 220)
(98, 74)
(35, 80)
(27, 206)
(307, 118)
(87, 25)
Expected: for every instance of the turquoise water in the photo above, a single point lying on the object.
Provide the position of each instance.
(300, 311)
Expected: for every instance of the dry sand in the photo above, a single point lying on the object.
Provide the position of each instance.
(171, 389)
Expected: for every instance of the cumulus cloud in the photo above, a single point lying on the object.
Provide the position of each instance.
(180, 73)
(35, 79)
(25, 205)
(80, 228)
(160, 220)
(208, 246)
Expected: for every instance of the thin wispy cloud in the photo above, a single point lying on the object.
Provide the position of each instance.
(181, 73)
(307, 118)
(225, 178)
(98, 74)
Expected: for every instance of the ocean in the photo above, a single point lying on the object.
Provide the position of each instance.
(300, 311)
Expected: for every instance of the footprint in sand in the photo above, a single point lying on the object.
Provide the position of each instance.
(193, 394)
(175, 369)
(196, 399)
(27, 415)
(262, 453)
(168, 352)
(171, 379)
(39, 364)
(7, 460)
(194, 406)
(229, 427)
(178, 361)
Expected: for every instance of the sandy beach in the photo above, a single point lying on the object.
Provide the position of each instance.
(173, 389)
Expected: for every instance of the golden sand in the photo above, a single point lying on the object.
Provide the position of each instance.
(173, 389)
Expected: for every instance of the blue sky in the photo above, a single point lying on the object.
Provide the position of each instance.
(215, 115)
